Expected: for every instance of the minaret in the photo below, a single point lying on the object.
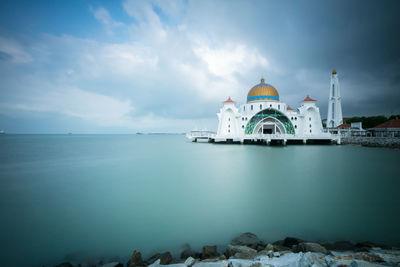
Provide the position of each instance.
(335, 117)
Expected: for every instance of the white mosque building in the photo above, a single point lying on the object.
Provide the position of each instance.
(265, 119)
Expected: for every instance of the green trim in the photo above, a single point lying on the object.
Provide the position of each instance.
(269, 112)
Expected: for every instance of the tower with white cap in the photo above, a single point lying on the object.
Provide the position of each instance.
(335, 117)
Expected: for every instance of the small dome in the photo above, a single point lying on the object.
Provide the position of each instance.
(334, 72)
(263, 92)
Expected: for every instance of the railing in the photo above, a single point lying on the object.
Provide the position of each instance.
(200, 134)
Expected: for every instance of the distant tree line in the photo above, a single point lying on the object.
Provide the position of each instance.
(370, 122)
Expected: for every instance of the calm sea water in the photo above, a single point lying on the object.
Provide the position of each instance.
(90, 196)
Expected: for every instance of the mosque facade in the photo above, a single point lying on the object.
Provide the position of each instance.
(265, 118)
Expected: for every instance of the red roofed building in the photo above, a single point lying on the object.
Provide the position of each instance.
(390, 124)
(344, 126)
(390, 128)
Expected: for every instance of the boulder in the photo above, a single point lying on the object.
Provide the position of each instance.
(290, 241)
(136, 260)
(188, 252)
(280, 248)
(367, 257)
(246, 239)
(219, 258)
(153, 258)
(240, 252)
(166, 258)
(113, 264)
(342, 246)
(311, 259)
(369, 245)
(279, 243)
(209, 252)
(310, 247)
(264, 252)
(65, 264)
(269, 247)
(283, 252)
(155, 264)
(211, 264)
(259, 247)
(360, 263)
(189, 261)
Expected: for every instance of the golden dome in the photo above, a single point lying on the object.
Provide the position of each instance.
(263, 92)
(334, 72)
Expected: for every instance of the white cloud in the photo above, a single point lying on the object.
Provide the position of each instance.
(230, 59)
(95, 108)
(127, 58)
(158, 77)
(102, 15)
(13, 49)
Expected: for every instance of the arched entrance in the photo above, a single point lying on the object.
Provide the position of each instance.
(270, 120)
(269, 125)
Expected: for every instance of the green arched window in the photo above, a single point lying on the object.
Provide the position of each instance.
(269, 112)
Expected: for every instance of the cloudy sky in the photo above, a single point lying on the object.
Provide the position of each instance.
(126, 66)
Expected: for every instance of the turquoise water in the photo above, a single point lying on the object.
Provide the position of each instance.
(84, 196)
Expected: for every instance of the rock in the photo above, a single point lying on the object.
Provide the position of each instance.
(370, 245)
(339, 246)
(311, 259)
(278, 243)
(155, 264)
(209, 252)
(360, 263)
(269, 247)
(310, 247)
(246, 239)
(240, 252)
(276, 247)
(283, 252)
(166, 258)
(343, 245)
(280, 248)
(64, 264)
(220, 258)
(367, 257)
(136, 260)
(188, 252)
(113, 264)
(264, 252)
(189, 261)
(211, 264)
(260, 247)
(290, 241)
(153, 258)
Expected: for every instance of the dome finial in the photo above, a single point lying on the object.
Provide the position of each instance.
(334, 72)
(262, 80)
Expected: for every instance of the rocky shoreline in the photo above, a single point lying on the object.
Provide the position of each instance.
(387, 142)
(247, 250)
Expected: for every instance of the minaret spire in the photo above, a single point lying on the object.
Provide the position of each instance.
(335, 117)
